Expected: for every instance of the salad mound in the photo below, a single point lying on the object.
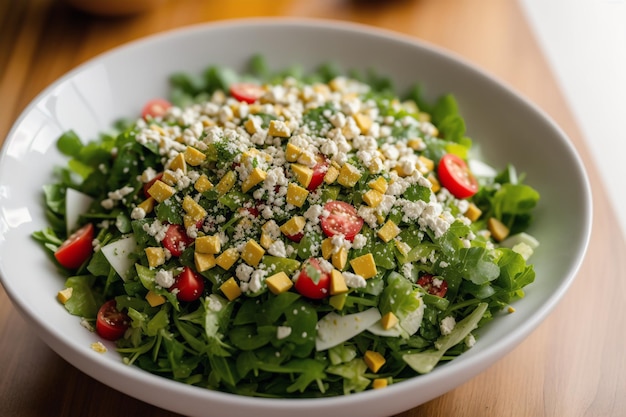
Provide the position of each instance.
(287, 234)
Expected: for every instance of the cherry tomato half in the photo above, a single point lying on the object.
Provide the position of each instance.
(176, 239)
(248, 92)
(342, 219)
(110, 322)
(319, 171)
(456, 176)
(189, 285)
(77, 248)
(157, 107)
(313, 282)
(438, 287)
(296, 238)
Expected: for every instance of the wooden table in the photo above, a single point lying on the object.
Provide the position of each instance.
(574, 364)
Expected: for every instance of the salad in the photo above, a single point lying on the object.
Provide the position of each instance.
(287, 234)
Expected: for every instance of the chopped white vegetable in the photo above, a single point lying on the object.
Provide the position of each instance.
(76, 204)
(334, 329)
(117, 253)
(518, 238)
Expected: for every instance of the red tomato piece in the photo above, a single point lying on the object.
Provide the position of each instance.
(319, 171)
(77, 248)
(313, 282)
(176, 239)
(157, 107)
(455, 175)
(188, 285)
(341, 220)
(438, 287)
(248, 92)
(150, 183)
(295, 238)
(111, 324)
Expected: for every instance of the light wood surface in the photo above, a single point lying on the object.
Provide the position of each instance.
(574, 364)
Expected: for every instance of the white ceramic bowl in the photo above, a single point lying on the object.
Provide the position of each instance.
(116, 84)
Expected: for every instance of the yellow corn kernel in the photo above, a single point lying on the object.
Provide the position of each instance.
(279, 128)
(473, 212)
(279, 283)
(379, 383)
(169, 177)
(208, 244)
(193, 156)
(435, 183)
(338, 301)
(98, 347)
(293, 226)
(374, 360)
(498, 230)
(425, 165)
(337, 283)
(296, 195)
(388, 231)
(147, 205)
(64, 295)
(340, 258)
(379, 184)
(178, 163)
(227, 258)
(331, 175)
(204, 261)
(363, 122)
(202, 184)
(154, 299)
(155, 255)
(252, 253)
(373, 198)
(348, 175)
(256, 176)
(364, 266)
(266, 240)
(250, 126)
(292, 152)
(389, 320)
(226, 183)
(417, 144)
(230, 289)
(160, 191)
(380, 218)
(327, 248)
(193, 209)
(302, 173)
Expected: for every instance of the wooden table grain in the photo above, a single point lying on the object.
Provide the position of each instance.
(573, 364)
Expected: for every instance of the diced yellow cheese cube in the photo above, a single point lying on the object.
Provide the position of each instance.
(204, 261)
(230, 289)
(250, 126)
(193, 156)
(364, 266)
(147, 205)
(169, 177)
(193, 209)
(425, 165)
(202, 184)
(227, 258)
(473, 212)
(296, 195)
(388, 231)
(331, 175)
(435, 186)
(339, 259)
(252, 253)
(303, 174)
(266, 240)
(189, 221)
(155, 255)
(292, 152)
(208, 244)
(178, 163)
(256, 176)
(293, 226)
(338, 301)
(498, 230)
(373, 198)
(417, 144)
(379, 184)
(98, 347)
(154, 299)
(65, 294)
(337, 283)
(279, 128)
(160, 191)
(363, 122)
(226, 183)
(402, 247)
(327, 248)
(389, 320)
(348, 175)
(279, 283)
(374, 360)
(379, 383)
